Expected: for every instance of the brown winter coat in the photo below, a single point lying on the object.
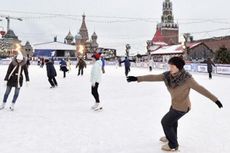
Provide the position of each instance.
(81, 64)
(180, 95)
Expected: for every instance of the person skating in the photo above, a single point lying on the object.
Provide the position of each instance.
(209, 67)
(95, 80)
(81, 65)
(42, 62)
(127, 65)
(63, 67)
(151, 64)
(28, 61)
(178, 82)
(69, 63)
(103, 63)
(51, 73)
(14, 78)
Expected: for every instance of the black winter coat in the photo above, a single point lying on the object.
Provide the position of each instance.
(127, 62)
(209, 65)
(51, 72)
(13, 77)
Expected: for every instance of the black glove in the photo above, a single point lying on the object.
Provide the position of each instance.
(131, 78)
(219, 104)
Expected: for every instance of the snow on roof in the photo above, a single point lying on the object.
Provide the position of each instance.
(160, 43)
(54, 46)
(174, 49)
(154, 47)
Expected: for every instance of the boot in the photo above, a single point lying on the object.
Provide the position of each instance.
(164, 139)
(167, 148)
(12, 107)
(2, 106)
(95, 106)
(99, 107)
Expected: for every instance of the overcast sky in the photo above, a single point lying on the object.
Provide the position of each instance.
(116, 22)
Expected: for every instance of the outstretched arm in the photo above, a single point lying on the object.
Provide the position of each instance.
(150, 78)
(145, 78)
(213, 64)
(194, 85)
(132, 61)
(122, 61)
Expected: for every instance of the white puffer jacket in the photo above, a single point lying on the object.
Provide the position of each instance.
(96, 72)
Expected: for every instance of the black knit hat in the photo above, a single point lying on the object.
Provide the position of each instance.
(177, 61)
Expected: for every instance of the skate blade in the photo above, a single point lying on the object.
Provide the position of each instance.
(98, 109)
(171, 150)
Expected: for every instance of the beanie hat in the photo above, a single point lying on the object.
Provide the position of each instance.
(19, 57)
(96, 56)
(177, 61)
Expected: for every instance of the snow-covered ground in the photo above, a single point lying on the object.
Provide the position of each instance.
(60, 120)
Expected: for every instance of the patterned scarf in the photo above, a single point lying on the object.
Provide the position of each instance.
(173, 81)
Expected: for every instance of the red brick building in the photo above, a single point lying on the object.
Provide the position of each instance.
(215, 43)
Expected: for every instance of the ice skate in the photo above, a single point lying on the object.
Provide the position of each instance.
(167, 148)
(12, 107)
(2, 106)
(95, 106)
(52, 87)
(98, 108)
(164, 139)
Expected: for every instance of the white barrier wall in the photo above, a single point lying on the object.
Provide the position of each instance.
(193, 67)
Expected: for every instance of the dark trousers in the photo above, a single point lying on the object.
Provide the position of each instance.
(150, 68)
(127, 69)
(210, 75)
(80, 71)
(170, 124)
(8, 90)
(52, 81)
(103, 70)
(64, 74)
(94, 91)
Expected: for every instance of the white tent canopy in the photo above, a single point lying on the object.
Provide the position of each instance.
(54, 46)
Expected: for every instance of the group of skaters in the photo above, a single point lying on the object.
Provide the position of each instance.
(177, 80)
(19, 65)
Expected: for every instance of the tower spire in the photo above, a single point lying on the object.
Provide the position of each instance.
(83, 30)
(167, 30)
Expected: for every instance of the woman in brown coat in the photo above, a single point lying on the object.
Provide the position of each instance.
(81, 64)
(178, 82)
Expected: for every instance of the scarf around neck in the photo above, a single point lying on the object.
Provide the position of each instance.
(173, 81)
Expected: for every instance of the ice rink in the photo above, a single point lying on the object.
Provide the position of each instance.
(60, 120)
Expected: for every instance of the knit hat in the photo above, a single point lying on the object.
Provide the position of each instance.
(177, 61)
(96, 56)
(19, 57)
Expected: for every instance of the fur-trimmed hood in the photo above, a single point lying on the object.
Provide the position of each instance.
(15, 62)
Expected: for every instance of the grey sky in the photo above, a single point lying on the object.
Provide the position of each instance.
(136, 25)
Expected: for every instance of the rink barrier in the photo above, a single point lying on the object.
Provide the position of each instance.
(192, 67)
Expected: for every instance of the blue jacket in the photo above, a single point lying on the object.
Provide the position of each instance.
(103, 62)
(127, 62)
(63, 63)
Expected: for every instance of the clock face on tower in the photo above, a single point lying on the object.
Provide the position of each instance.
(167, 12)
(170, 18)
